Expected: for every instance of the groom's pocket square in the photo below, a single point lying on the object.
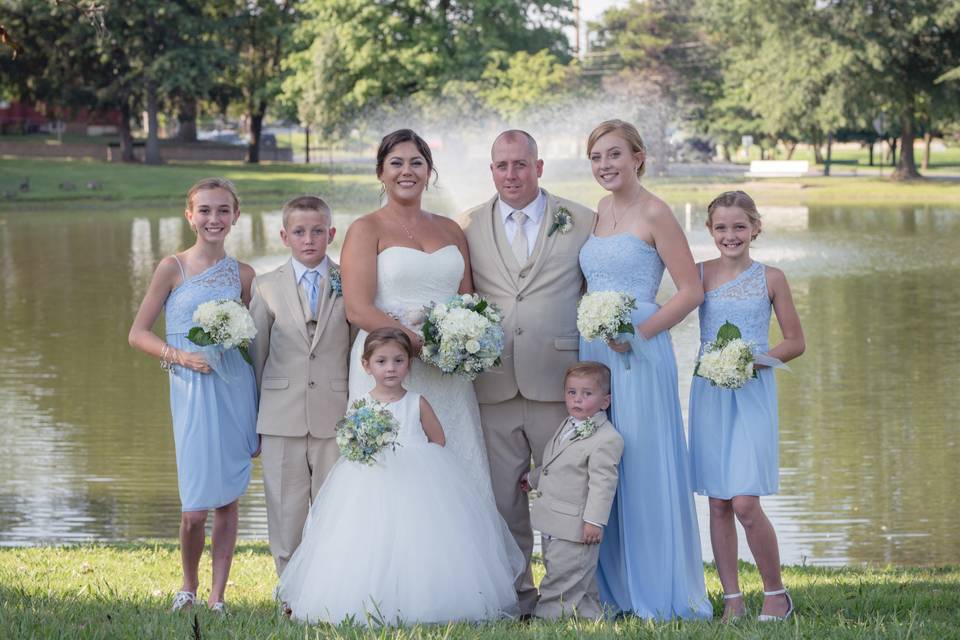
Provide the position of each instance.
(566, 344)
(275, 383)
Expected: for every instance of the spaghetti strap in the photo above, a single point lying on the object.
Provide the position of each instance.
(183, 274)
(701, 271)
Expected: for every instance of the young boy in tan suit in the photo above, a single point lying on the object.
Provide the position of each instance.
(576, 484)
(300, 356)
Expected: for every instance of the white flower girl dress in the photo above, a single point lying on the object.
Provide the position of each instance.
(406, 540)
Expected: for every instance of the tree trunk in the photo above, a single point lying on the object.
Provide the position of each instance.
(927, 142)
(256, 126)
(187, 120)
(126, 137)
(791, 147)
(826, 165)
(870, 146)
(307, 133)
(907, 167)
(152, 155)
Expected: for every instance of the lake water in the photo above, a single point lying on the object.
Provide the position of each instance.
(870, 415)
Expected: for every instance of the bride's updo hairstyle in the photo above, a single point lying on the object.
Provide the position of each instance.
(400, 136)
(626, 131)
(386, 335)
(736, 200)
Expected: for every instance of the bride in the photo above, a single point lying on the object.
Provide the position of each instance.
(395, 261)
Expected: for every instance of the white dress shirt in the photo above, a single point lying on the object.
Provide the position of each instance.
(535, 211)
(299, 269)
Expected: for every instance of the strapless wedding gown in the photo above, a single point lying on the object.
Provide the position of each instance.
(407, 280)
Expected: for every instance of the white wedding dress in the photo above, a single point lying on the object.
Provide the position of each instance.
(405, 540)
(408, 280)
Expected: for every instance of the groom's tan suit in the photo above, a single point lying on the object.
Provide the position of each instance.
(521, 402)
(301, 365)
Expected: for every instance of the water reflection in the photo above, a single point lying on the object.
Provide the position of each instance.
(869, 418)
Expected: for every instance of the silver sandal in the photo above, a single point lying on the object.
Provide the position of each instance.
(766, 617)
(183, 599)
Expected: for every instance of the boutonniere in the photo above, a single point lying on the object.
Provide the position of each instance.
(336, 287)
(562, 221)
(585, 429)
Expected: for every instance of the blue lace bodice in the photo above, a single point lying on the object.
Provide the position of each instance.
(221, 281)
(622, 262)
(744, 301)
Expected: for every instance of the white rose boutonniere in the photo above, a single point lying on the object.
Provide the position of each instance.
(562, 221)
(585, 429)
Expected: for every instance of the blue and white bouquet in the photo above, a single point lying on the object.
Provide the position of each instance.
(367, 429)
(463, 336)
(222, 325)
(606, 315)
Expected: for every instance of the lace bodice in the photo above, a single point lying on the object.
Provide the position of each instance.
(744, 301)
(409, 279)
(221, 281)
(622, 262)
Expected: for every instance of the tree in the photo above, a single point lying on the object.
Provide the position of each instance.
(515, 83)
(363, 54)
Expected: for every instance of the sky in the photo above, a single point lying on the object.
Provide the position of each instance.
(591, 10)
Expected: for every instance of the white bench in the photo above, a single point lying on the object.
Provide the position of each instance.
(777, 168)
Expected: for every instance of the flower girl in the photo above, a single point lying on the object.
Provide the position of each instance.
(401, 536)
(733, 432)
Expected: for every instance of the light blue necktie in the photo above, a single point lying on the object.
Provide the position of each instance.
(313, 288)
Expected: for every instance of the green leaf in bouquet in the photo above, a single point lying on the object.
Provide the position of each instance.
(481, 306)
(200, 337)
(626, 327)
(727, 332)
(246, 354)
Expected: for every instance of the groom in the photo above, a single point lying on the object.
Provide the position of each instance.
(524, 247)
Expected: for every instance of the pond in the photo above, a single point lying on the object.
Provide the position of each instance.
(870, 415)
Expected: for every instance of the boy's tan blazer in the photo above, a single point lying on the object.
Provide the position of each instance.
(539, 304)
(577, 480)
(303, 383)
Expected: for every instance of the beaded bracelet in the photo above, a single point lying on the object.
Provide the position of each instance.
(165, 363)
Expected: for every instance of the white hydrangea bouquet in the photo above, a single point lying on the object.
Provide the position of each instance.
(727, 361)
(367, 429)
(222, 325)
(605, 315)
(463, 336)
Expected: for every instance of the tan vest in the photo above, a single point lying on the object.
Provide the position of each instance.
(538, 301)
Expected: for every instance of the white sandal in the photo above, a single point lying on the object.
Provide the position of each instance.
(734, 596)
(219, 608)
(183, 599)
(766, 617)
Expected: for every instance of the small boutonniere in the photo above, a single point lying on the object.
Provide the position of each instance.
(585, 429)
(336, 287)
(562, 221)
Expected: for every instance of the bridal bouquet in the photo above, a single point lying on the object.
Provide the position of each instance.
(463, 335)
(223, 323)
(727, 361)
(366, 430)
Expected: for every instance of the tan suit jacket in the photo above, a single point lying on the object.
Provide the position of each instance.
(302, 382)
(539, 302)
(577, 480)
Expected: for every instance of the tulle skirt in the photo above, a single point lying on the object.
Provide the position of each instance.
(407, 540)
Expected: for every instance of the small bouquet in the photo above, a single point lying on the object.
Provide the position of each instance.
(606, 315)
(727, 361)
(366, 430)
(223, 325)
(463, 336)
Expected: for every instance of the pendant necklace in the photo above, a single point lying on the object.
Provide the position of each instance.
(613, 211)
(405, 229)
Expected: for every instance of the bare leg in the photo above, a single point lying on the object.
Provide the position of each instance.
(192, 538)
(723, 539)
(223, 541)
(762, 540)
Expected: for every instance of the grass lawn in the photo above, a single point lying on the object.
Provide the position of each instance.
(63, 184)
(124, 591)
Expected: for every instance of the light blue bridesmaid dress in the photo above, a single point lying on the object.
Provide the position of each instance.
(733, 432)
(650, 560)
(214, 421)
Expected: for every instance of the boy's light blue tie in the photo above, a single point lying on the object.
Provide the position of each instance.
(313, 288)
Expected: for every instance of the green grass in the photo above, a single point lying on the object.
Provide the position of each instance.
(138, 186)
(124, 591)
